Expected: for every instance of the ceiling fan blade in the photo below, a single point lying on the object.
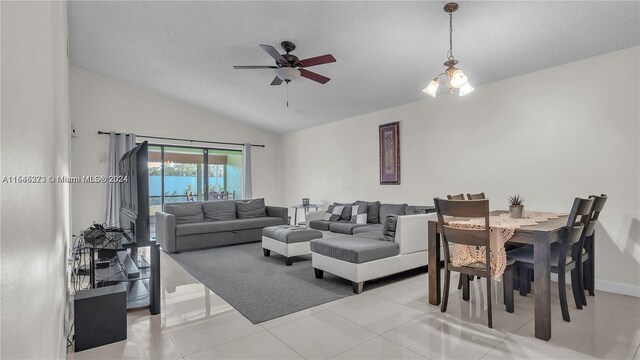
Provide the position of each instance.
(313, 76)
(276, 81)
(254, 67)
(318, 60)
(274, 53)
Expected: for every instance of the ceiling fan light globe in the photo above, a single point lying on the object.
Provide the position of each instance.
(432, 88)
(287, 73)
(458, 79)
(465, 89)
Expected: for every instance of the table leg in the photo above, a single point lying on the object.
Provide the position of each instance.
(542, 284)
(295, 217)
(433, 241)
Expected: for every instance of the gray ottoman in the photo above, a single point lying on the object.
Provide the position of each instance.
(288, 240)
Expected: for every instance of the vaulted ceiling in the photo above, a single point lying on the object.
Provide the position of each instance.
(386, 51)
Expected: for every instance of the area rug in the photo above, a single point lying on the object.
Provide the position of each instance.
(263, 288)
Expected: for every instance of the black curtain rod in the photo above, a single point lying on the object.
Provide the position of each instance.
(100, 132)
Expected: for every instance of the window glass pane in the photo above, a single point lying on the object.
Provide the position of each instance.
(225, 174)
(155, 184)
(183, 174)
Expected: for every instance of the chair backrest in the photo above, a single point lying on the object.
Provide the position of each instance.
(577, 222)
(598, 205)
(456, 197)
(472, 237)
(476, 196)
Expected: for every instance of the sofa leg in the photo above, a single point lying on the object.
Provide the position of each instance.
(288, 261)
(357, 286)
(319, 273)
(266, 252)
(177, 252)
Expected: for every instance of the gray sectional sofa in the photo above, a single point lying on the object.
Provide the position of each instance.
(198, 225)
(394, 239)
(376, 215)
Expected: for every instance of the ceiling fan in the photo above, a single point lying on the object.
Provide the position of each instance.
(289, 67)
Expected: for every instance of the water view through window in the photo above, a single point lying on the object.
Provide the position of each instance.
(183, 174)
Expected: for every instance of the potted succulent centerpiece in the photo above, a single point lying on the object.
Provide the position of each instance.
(516, 209)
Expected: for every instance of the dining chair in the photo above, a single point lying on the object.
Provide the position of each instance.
(564, 255)
(461, 281)
(470, 237)
(587, 254)
(456, 197)
(479, 196)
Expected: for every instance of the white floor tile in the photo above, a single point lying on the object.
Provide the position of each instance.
(288, 318)
(375, 313)
(145, 340)
(439, 337)
(378, 348)
(414, 295)
(321, 335)
(262, 345)
(190, 340)
(565, 343)
(193, 306)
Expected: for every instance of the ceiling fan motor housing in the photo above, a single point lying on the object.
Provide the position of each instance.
(287, 73)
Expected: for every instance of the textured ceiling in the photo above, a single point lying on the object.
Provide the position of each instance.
(386, 51)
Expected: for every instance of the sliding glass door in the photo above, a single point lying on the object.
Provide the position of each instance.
(184, 174)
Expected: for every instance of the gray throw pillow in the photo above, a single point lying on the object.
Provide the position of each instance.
(334, 212)
(219, 210)
(373, 211)
(251, 209)
(359, 213)
(185, 212)
(389, 230)
(346, 211)
(390, 209)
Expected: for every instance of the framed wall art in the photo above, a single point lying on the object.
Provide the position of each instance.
(389, 140)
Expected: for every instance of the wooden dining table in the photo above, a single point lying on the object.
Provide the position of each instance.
(541, 236)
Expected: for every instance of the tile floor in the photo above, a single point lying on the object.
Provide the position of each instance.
(390, 322)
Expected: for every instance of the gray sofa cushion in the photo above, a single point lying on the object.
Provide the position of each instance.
(346, 212)
(389, 230)
(373, 212)
(359, 213)
(185, 212)
(219, 210)
(354, 249)
(368, 228)
(344, 228)
(251, 209)
(225, 225)
(390, 209)
(322, 225)
(289, 234)
(373, 235)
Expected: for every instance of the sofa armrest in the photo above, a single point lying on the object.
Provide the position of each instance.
(313, 215)
(166, 231)
(277, 211)
(411, 232)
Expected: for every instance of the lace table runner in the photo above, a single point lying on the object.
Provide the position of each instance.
(502, 228)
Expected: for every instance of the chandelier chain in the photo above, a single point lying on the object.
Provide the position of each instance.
(450, 53)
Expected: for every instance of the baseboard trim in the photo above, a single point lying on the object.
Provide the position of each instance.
(608, 286)
(618, 288)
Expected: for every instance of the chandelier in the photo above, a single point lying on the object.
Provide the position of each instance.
(456, 79)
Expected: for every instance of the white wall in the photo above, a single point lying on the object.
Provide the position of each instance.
(101, 103)
(35, 141)
(552, 135)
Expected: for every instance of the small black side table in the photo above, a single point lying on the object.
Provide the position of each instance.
(306, 211)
